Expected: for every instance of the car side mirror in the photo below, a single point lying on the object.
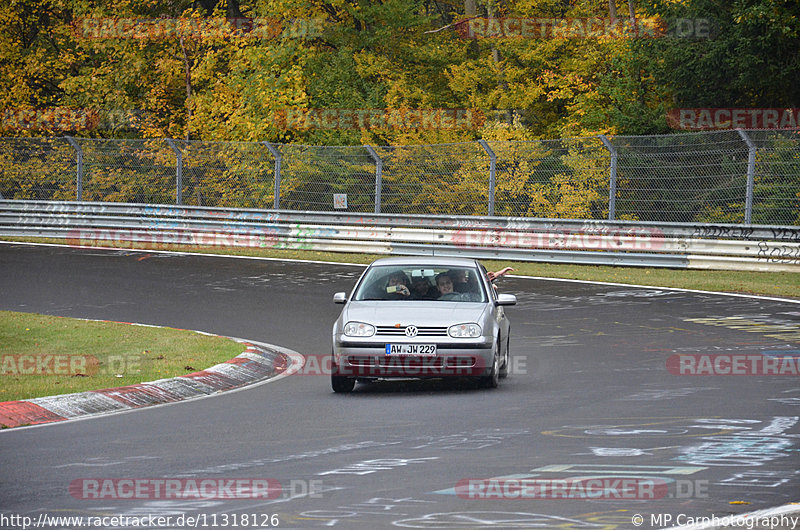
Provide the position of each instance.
(340, 298)
(506, 299)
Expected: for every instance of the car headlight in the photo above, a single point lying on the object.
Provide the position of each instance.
(359, 329)
(464, 331)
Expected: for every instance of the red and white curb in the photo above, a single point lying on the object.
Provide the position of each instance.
(259, 363)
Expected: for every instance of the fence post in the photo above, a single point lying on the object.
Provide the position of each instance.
(79, 182)
(178, 172)
(492, 169)
(276, 201)
(612, 182)
(751, 172)
(378, 176)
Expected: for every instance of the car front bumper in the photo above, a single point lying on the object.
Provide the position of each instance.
(368, 358)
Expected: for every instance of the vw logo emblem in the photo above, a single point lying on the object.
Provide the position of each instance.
(411, 331)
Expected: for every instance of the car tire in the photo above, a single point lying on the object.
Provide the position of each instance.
(493, 379)
(506, 358)
(341, 384)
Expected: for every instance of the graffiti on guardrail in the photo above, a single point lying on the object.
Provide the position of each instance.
(792, 234)
(722, 231)
(154, 227)
(172, 211)
(778, 253)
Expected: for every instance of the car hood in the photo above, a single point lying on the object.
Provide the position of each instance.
(426, 313)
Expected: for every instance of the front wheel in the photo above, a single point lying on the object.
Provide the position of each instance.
(493, 379)
(340, 383)
(506, 360)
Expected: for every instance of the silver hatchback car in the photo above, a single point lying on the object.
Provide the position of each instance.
(421, 317)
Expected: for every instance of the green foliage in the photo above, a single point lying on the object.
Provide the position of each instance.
(749, 55)
(217, 78)
(236, 70)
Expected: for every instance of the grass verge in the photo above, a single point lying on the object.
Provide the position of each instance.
(44, 355)
(784, 284)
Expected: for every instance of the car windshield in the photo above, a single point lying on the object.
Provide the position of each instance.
(393, 282)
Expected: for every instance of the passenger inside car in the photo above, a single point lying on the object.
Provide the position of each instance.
(397, 286)
(421, 289)
(445, 285)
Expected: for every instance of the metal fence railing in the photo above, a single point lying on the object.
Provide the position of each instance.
(734, 176)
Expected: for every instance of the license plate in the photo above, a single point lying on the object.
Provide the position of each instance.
(424, 350)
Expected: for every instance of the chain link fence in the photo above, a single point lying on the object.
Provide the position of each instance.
(732, 176)
(776, 190)
(37, 168)
(566, 178)
(435, 179)
(139, 171)
(700, 177)
(225, 174)
(310, 177)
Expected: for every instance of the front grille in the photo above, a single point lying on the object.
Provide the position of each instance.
(411, 362)
(422, 331)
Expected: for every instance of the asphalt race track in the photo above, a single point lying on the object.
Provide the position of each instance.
(590, 395)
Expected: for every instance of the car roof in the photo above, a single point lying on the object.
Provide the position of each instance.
(425, 261)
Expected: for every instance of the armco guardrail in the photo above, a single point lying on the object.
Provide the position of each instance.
(676, 245)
